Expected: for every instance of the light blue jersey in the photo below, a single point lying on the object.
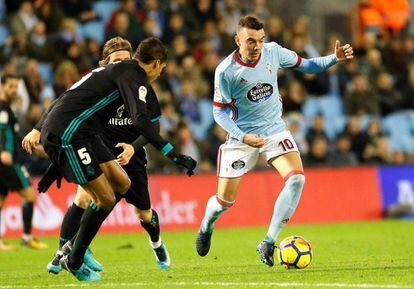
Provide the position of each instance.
(251, 93)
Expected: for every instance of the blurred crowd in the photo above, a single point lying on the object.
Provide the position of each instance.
(353, 114)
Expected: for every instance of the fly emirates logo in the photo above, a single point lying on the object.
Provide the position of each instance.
(119, 119)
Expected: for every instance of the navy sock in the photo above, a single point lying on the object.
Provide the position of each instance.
(27, 217)
(91, 221)
(153, 227)
(70, 224)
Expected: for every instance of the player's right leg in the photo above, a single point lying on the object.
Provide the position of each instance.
(234, 160)
(78, 162)
(69, 228)
(216, 206)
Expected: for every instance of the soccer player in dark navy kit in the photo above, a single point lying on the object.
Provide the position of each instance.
(13, 174)
(69, 137)
(121, 138)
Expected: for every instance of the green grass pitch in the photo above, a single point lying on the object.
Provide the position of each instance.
(351, 255)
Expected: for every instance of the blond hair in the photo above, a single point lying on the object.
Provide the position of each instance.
(112, 45)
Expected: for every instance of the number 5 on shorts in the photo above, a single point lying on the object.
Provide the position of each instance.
(84, 156)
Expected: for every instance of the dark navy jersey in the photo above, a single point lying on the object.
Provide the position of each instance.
(120, 129)
(9, 132)
(87, 107)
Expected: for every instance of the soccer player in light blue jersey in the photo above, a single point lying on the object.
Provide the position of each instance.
(248, 106)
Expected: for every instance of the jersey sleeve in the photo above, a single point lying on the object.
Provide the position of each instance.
(222, 96)
(133, 88)
(287, 58)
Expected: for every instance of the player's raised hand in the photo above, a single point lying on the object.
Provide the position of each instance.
(124, 157)
(254, 140)
(31, 140)
(343, 53)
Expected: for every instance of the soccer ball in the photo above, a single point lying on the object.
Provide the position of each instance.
(294, 252)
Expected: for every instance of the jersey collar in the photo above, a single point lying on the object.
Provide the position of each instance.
(241, 62)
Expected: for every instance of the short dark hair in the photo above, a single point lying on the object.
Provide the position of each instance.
(8, 76)
(250, 22)
(151, 49)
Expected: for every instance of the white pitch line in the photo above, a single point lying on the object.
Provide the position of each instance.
(223, 284)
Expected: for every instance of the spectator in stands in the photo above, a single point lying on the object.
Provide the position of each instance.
(36, 86)
(358, 137)
(259, 8)
(77, 55)
(196, 109)
(66, 75)
(318, 153)
(24, 20)
(136, 19)
(373, 65)
(154, 12)
(205, 10)
(68, 34)
(39, 46)
(343, 155)
(361, 99)
(390, 99)
(275, 30)
(170, 117)
(51, 14)
(180, 48)
(316, 130)
(175, 27)
(378, 153)
(79, 9)
(295, 97)
(121, 28)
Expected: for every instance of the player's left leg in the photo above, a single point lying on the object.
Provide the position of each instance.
(139, 196)
(290, 168)
(150, 222)
(24, 187)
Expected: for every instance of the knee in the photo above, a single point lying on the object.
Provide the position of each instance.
(144, 216)
(83, 201)
(296, 182)
(122, 186)
(107, 201)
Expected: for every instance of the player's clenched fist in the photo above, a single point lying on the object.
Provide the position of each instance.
(254, 140)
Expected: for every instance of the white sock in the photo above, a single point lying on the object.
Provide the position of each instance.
(213, 211)
(157, 244)
(27, 237)
(285, 206)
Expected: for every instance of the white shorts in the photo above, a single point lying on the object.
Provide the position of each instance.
(235, 159)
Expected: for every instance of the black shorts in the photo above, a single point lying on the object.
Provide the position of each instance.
(138, 194)
(78, 159)
(13, 178)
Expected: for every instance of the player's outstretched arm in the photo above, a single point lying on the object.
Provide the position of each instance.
(130, 149)
(320, 64)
